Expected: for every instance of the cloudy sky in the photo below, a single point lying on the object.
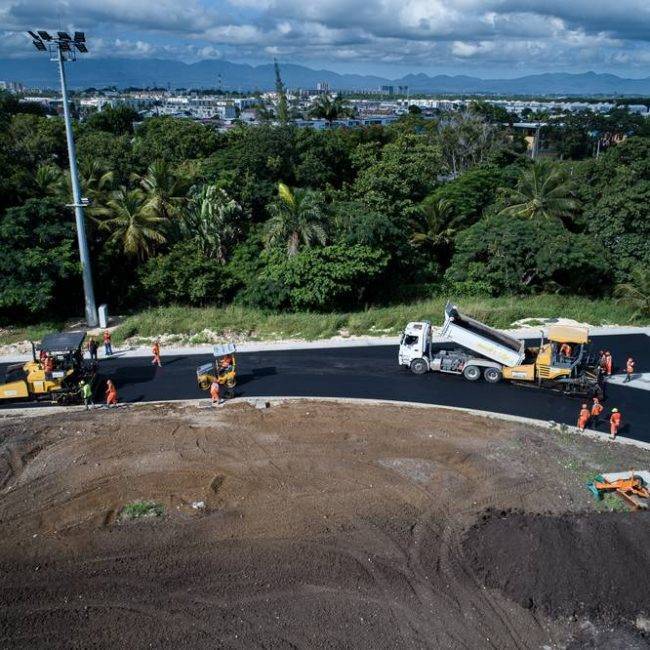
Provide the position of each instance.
(489, 38)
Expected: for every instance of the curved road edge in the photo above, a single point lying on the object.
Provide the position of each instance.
(278, 399)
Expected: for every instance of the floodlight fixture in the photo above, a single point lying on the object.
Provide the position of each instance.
(62, 49)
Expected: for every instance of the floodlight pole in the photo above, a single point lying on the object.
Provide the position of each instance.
(86, 272)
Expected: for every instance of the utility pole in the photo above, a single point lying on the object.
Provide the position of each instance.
(62, 48)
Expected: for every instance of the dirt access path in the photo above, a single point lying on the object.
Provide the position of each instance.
(322, 526)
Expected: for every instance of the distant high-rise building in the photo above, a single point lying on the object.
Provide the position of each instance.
(388, 90)
(322, 87)
(402, 90)
(12, 86)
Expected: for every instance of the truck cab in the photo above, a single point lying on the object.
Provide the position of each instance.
(415, 346)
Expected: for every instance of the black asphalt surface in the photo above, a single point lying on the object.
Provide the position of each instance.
(372, 372)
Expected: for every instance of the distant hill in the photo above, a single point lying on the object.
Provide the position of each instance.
(40, 72)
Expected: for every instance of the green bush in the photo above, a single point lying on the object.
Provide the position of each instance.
(503, 254)
(140, 510)
(184, 275)
(39, 267)
(318, 279)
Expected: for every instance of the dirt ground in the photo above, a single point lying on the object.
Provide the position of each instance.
(322, 525)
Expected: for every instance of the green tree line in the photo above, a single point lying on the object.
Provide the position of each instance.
(286, 218)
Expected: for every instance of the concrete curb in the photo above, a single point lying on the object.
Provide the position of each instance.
(353, 342)
(544, 424)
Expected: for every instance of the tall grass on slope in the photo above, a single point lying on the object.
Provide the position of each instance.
(196, 325)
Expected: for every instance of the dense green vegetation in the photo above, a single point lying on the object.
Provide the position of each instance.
(276, 219)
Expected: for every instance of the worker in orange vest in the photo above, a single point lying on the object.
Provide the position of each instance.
(596, 409)
(111, 393)
(214, 392)
(565, 351)
(108, 345)
(609, 363)
(614, 423)
(155, 350)
(583, 417)
(629, 370)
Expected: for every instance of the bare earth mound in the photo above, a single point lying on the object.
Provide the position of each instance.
(303, 525)
(568, 565)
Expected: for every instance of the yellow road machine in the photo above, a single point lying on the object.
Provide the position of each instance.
(562, 362)
(54, 375)
(222, 369)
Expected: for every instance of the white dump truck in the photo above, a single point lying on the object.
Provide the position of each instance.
(471, 348)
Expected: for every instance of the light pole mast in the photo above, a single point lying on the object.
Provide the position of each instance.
(62, 49)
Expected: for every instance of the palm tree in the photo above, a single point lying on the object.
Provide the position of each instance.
(213, 220)
(636, 293)
(330, 109)
(96, 184)
(132, 222)
(49, 180)
(165, 190)
(434, 229)
(295, 216)
(543, 192)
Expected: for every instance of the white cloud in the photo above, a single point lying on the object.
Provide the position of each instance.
(504, 34)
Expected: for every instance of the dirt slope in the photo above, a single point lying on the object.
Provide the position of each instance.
(323, 526)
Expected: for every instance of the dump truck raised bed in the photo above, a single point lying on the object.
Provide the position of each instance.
(562, 362)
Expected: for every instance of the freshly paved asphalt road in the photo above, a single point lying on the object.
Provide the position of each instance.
(372, 372)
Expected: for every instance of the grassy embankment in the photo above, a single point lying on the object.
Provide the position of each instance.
(203, 325)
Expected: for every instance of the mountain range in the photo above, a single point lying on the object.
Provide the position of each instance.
(41, 73)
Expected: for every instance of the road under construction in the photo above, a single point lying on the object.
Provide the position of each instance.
(371, 372)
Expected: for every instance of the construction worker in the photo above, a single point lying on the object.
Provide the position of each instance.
(609, 363)
(226, 362)
(602, 362)
(629, 370)
(565, 351)
(92, 348)
(86, 394)
(108, 346)
(155, 350)
(48, 364)
(614, 423)
(214, 392)
(42, 355)
(111, 393)
(583, 417)
(596, 409)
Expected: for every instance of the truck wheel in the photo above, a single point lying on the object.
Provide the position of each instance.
(492, 375)
(419, 366)
(472, 373)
